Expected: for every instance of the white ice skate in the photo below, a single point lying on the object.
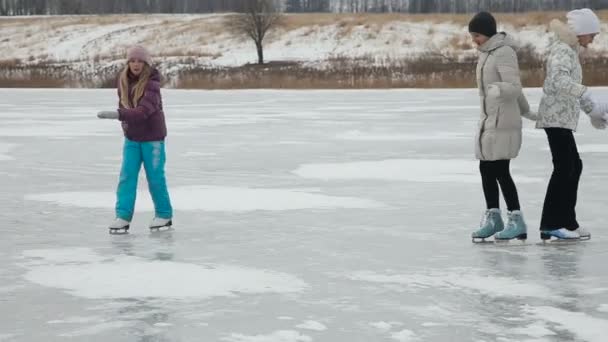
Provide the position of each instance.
(119, 226)
(160, 224)
(561, 235)
(584, 233)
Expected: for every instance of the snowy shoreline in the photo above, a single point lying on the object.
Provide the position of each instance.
(330, 51)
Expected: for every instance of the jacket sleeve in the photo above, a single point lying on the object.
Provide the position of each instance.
(524, 106)
(147, 106)
(560, 82)
(508, 69)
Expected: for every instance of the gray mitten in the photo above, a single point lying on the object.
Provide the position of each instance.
(108, 114)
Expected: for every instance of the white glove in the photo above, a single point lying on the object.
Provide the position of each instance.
(599, 109)
(108, 114)
(598, 123)
(587, 96)
(493, 91)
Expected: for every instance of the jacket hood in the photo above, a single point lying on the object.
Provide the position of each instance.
(498, 40)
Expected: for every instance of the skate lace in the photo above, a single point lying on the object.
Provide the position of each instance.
(485, 218)
(510, 222)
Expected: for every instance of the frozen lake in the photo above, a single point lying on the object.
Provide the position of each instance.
(338, 216)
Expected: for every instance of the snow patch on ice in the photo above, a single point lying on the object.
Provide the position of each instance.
(163, 279)
(603, 308)
(586, 327)
(277, 336)
(312, 325)
(404, 335)
(412, 170)
(383, 326)
(215, 198)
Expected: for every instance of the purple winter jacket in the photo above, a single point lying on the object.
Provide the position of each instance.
(146, 122)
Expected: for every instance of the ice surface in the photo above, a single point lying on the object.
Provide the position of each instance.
(413, 170)
(4, 151)
(211, 198)
(300, 216)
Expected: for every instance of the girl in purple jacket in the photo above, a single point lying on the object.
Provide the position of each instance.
(140, 110)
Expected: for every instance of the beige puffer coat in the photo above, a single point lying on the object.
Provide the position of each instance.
(499, 133)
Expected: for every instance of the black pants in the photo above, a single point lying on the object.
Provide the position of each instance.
(494, 173)
(560, 201)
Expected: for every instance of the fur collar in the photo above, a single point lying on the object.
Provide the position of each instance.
(564, 33)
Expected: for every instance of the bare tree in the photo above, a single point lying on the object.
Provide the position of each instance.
(259, 17)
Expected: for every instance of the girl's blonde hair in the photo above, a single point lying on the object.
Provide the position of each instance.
(139, 88)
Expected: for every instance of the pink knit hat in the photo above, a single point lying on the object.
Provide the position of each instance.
(139, 52)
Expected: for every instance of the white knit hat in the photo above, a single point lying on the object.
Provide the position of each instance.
(583, 21)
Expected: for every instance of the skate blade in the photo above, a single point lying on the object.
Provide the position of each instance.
(561, 242)
(161, 229)
(119, 231)
(481, 241)
(520, 237)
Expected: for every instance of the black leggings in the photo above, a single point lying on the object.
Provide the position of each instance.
(560, 200)
(494, 173)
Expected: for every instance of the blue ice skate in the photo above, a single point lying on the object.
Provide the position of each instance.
(491, 223)
(516, 227)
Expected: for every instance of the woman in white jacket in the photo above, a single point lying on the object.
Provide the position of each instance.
(563, 98)
(499, 135)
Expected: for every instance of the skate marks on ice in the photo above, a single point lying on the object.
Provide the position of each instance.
(582, 326)
(531, 322)
(217, 198)
(84, 273)
(413, 170)
(471, 281)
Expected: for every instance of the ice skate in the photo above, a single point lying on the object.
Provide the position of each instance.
(516, 228)
(159, 224)
(491, 224)
(584, 233)
(560, 235)
(119, 226)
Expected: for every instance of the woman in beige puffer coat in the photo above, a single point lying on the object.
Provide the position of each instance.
(499, 134)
